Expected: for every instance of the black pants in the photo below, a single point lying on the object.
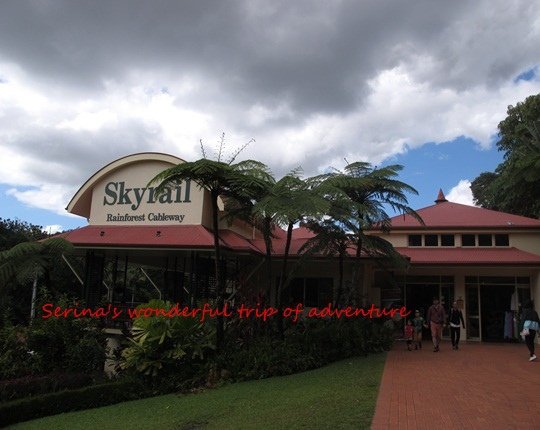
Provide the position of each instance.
(529, 340)
(455, 332)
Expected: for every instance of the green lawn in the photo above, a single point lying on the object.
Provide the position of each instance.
(341, 395)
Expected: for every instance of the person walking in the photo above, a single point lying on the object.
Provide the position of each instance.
(418, 323)
(531, 324)
(409, 333)
(436, 318)
(454, 319)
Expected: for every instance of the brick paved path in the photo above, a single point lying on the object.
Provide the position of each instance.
(481, 386)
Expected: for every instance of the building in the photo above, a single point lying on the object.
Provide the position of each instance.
(139, 245)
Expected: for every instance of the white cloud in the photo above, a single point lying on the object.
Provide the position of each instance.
(461, 193)
(321, 83)
(53, 228)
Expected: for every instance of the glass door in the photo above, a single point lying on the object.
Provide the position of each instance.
(474, 328)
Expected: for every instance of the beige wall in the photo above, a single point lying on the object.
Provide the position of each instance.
(527, 241)
(107, 202)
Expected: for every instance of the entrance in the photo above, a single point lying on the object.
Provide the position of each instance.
(419, 293)
(420, 297)
(495, 301)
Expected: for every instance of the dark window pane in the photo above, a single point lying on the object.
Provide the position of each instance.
(415, 240)
(472, 301)
(325, 291)
(295, 293)
(468, 240)
(447, 240)
(431, 240)
(473, 328)
(523, 280)
(312, 292)
(484, 240)
(501, 280)
(501, 240)
(471, 280)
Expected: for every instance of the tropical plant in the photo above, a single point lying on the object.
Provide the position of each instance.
(161, 345)
(31, 260)
(360, 196)
(330, 240)
(222, 179)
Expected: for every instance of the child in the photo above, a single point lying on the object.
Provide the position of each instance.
(418, 322)
(409, 331)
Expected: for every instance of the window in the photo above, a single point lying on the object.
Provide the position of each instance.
(485, 240)
(431, 240)
(447, 240)
(310, 292)
(501, 240)
(415, 240)
(468, 240)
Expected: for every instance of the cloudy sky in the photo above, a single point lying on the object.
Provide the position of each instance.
(421, 83)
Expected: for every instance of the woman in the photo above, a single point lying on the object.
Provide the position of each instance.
(531, 324)
(454, 319)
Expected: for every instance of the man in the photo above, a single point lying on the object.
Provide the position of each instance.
(436, 317)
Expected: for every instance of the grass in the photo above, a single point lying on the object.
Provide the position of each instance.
(339, 396)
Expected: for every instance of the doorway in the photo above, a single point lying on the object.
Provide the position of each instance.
(420, 297)
(495, 300)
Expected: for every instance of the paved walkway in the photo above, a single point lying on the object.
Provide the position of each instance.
(481, 386)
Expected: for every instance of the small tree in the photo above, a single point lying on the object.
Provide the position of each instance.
(363, 193)
(222, 179)
(32, 260)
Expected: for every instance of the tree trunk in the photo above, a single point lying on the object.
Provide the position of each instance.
(340, 281)
(282, 279)
(217, 266)
(358, 288)
(34, 295)
(268, 244)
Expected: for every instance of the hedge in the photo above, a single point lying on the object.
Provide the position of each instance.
(34, 385)
(70, 400)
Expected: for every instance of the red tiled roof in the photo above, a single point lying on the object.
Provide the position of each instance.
(181, 236)
(233, 240)
(455, 215)
(198, 237)
(469, 256)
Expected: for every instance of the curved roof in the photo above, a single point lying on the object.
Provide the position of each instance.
(82, 200)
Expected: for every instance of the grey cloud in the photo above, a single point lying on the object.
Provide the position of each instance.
(298, 60)
(314, 55)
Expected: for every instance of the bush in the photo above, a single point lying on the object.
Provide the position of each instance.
(162, 345)
(72, 400)
(73, 344)
(33, 385)
(15, 361)
(307, 345)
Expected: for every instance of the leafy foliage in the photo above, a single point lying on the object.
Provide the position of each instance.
(307, 345)
(359, 196)
(53, 344)
(515, 185)
(31, 259)
(239, 182)
(16, 231)
(161, 345)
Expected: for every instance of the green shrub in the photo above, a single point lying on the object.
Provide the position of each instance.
(15, 360)
(162, 345)
(308, 344)
(73, 344)
(71, 400)
(32, 385)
